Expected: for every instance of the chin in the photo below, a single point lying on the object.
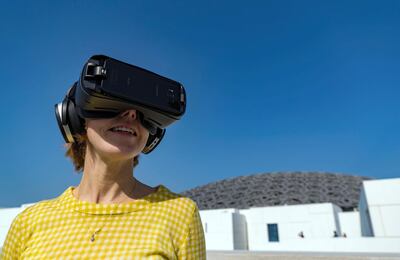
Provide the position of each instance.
(117, 156)
(120, 151)
(125, 152)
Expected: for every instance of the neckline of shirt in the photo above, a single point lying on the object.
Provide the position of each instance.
(68, 201)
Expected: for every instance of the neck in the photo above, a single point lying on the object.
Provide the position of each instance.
(106, 181)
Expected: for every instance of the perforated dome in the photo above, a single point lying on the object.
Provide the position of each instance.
(281, 188)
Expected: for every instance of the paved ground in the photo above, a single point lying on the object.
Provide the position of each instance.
(245, 255)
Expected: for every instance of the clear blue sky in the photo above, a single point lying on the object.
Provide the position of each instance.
(272, 86)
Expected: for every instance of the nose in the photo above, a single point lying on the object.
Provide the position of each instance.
(131, 113)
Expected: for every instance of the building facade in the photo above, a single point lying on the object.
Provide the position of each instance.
(320, 227)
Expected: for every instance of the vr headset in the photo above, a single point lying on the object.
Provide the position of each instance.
(108, 87)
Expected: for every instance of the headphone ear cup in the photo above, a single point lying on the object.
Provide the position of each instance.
(68, 120)
(153, 141)
(75, 123)
(62, 121)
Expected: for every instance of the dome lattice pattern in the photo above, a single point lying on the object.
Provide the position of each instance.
(271, 189)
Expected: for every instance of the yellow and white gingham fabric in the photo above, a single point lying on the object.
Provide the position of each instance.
(161, 225)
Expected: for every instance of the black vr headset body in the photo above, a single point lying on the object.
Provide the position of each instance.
(108, 87)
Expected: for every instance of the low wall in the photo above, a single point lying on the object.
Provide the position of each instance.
(252, 255)
(350, 245)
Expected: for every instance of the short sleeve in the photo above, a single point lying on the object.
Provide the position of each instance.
(13, 245)
(193, 245)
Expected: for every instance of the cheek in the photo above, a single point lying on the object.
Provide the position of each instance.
(143, 139)
(93, 137)
(145, 134)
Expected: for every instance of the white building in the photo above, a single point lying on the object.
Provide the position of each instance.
(224, 229)
(312, 227)
(375, 228)
(380, 208)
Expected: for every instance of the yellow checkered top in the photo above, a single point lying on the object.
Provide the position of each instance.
(161, 225)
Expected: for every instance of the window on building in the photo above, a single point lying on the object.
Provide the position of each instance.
(273, 235)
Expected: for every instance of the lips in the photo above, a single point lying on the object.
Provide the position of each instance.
(124, 129)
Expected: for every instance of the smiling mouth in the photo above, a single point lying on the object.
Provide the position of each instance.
(123, 130)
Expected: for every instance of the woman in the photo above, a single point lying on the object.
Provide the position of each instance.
(110, 214)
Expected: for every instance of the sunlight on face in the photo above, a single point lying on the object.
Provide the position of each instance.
(108, 137)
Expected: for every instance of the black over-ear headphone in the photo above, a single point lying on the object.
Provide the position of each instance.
(71, 124)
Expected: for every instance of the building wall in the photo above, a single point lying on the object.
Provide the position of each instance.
(383, 206)
(218, 228)
(350, 224)
(336, 211)
(239, 231)
(316, 221)
(365, 218)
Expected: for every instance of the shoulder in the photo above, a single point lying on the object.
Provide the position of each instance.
(25, 222)
(184, 205)
(31, 212)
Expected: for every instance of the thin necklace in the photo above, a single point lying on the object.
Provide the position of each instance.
(97, 230)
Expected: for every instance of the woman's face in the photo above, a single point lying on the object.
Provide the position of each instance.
(120, 137)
